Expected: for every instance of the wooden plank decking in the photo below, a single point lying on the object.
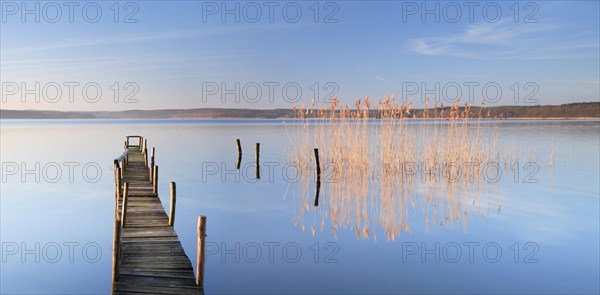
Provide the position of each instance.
(152, 259)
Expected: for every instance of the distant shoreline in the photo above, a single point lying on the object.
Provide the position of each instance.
(582, 110)
(309, 119)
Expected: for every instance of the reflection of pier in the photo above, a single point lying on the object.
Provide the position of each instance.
(147, 254)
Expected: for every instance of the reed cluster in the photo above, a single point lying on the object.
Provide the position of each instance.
(390, 162)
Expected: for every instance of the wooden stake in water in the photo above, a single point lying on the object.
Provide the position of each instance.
(200, 258)
(257, 150)
(318, 168)
(172, 208)
(318, 176)
(239, 149)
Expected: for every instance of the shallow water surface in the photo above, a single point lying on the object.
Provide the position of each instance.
(265, 236)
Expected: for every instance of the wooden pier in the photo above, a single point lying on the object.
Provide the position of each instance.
(147, 254)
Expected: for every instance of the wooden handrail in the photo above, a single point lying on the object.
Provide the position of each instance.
(123, 156)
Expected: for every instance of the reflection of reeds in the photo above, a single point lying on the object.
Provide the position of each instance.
(372, 160)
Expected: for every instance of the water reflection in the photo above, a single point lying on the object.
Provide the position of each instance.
(383, 174)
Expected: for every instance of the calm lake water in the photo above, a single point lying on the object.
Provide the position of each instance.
(539, 236)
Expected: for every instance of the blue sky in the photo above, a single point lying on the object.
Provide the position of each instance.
(179, 54)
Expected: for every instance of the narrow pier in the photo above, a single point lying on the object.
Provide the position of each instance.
(147, 254)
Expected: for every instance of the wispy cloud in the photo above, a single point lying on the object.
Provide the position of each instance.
(138, 38)
(507, 40)
(382, 79)
(107, 40)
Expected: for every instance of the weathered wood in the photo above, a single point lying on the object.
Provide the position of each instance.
(151, 259)
(201, 254)
(116, 250)
(145, 157)
(117, 186)
(152, 165)
(123, 155)
(172, 207)
(124, 206)
(155, 180)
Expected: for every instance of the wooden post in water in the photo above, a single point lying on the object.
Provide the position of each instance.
(172, 208)
(145, 144)
(318, 177)
(318, 168)
(155, 180)
(200, 258)
(239, 149)
(317, 190)
(257, 150)
(125, 145)
(116, 260)
(124, 206)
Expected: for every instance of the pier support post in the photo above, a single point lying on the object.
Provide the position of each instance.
(116, 259)
(146, 157)
(172, 208)
(200, 258)
(155, 180)
(152, 165)
(124, 206)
